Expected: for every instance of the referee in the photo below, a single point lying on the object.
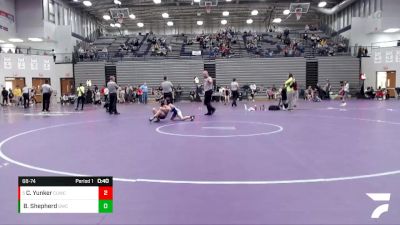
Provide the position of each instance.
(112, 88)
(208, 91)
(235, 92)
(167, 86)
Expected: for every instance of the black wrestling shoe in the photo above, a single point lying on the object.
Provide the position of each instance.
(208, 114)
(213, 111)
(192, 118)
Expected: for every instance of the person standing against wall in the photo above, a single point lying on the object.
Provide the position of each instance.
(25, 94)
(18, 95)
(112, 89)
(46, 92)
(208, 91)
(235, 91)
(4, 94)
(346, 92)
(80, 91)
(166, 87)
(289, 90)
(53, 53)
(327, 90)
(253, 89)
(145, 91)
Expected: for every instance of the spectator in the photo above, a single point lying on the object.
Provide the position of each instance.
(97, 97)
(4, 94)
(18, 95)
(327, 89)
(145, 91)
(139, 94)
(10, 96)
(290, 92)
(309, 94)
(53, 53)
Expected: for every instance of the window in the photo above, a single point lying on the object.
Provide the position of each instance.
(51, 16)
(60, 15)
(66, 20)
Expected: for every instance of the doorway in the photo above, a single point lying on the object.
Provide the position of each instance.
(67, 86)
(387, 80)
(37, 87)
(13, 82)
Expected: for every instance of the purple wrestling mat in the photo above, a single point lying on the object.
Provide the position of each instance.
(314, 165)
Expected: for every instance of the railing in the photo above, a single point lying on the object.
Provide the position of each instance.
(59, 57)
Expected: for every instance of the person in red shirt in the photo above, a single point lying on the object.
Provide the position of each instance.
(139, 94)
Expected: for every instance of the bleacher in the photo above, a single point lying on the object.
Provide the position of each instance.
(266, 44)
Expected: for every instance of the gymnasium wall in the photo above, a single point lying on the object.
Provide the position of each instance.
(262, 72)
(94, 71)
(152, 72)
(382, 59)
(28, 67)
(337, 69)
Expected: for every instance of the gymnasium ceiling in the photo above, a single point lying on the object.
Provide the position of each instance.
(185, 13)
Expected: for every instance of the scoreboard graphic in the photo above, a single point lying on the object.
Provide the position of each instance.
(65, 195)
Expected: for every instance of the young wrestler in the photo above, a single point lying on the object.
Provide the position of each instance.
(177, 112)
(160, 113)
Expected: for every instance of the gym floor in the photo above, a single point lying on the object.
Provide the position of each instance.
(313, 165)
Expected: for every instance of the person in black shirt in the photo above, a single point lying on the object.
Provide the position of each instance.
(4, 94)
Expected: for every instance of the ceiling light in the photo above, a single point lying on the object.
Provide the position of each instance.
(170, 23)
(117, 2)
(249, 21)
(140, 24)
(35, 39)
(200, 22)
(87, 3)
(392, 30)
(277, 20)
(254, 12)
(196, 1)
(106, 17)
(157, 1)
(117, 25)
(132, 16)
(228, 0)
(223, 22)
(76, 0)
(225, 13)
(165, 15)
(1, 41)
(15, 40)
(112, 25)
(322, 4)
(286, 12)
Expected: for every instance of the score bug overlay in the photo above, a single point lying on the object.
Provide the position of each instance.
(65, 194)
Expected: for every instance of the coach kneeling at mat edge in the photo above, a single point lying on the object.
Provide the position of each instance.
(167, 86)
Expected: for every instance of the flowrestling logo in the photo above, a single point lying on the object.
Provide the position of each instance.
(381, 209)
